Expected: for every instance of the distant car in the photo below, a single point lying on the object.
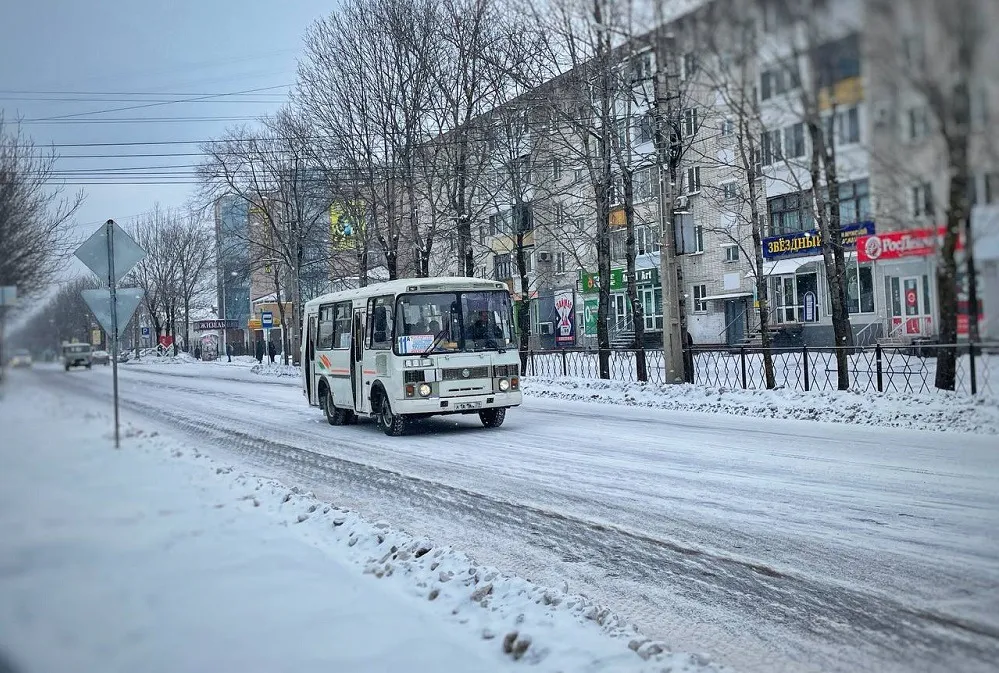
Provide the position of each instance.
(20, 358)
(76, 355)
(100, 358)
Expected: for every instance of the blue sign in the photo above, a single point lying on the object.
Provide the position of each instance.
(145, 331)
(267, 319)
(805, 243)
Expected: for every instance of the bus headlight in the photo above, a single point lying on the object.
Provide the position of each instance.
(425, 390)
(504, 385)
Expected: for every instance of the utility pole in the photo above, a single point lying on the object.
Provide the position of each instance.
(673, 302)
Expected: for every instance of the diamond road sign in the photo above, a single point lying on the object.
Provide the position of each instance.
(94, 253)
(99, 301)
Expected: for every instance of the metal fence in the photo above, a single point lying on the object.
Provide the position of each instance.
(901, 369)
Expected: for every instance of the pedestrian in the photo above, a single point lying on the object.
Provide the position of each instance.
(260, 351)
(228, 351)
(271, 350)
(197, 352)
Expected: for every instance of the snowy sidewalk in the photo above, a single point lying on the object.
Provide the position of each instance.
(154, 558)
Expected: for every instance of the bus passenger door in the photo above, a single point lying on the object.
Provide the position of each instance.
(309, 366)
(357, 360)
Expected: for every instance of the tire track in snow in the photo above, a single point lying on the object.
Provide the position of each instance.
(837, 616)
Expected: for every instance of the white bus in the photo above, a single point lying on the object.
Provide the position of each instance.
(410, 349)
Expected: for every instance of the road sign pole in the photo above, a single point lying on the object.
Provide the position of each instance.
(114, 330)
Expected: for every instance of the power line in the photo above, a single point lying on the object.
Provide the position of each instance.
(148, 105)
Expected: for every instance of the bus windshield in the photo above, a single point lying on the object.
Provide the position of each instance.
(451, 322)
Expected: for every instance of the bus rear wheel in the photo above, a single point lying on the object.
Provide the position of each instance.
(334, 414)
(391, 424)
(492, 418)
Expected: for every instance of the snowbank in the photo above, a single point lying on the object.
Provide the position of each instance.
(937, 412)
(276, 370)
(157, 558)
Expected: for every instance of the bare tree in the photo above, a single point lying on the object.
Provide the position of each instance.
(946, 84)
(34, 213)
(272, 172)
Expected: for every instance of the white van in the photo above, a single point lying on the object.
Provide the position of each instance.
(410, 349)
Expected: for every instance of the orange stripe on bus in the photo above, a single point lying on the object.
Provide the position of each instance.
(370, 371)
(339, 371)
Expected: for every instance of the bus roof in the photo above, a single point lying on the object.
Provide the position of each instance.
(438, 284)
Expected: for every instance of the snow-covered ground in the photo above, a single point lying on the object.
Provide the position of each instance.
(774, 545)
(933, 413)
(159, 558)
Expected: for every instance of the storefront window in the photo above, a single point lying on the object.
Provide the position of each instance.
(860, 288)
(795, 298)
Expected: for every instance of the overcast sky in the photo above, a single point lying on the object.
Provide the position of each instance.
(128, 47)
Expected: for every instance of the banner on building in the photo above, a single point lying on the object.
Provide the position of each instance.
(565, 326)
(806, 243)
(214, 325)
(898, 244)
(346, 225)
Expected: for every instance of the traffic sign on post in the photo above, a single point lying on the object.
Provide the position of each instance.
(111, 253)
(267, 319)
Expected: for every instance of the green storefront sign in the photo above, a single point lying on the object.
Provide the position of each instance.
(590, 282)
(590, 306)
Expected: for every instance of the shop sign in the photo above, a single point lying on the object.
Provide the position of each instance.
(213, 325)
(590, 307)
(647, 276)
(805, 243)
(591, 281)
(898, 244)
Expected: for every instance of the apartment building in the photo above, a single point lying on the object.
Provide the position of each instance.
(828, 61)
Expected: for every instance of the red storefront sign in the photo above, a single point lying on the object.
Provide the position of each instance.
(896, 244)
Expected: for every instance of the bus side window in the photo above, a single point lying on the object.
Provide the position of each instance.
(380, 323)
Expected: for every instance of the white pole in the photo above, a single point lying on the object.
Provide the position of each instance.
(114, 329)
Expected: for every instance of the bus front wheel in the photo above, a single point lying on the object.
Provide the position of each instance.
(492, 418)
(391, 424)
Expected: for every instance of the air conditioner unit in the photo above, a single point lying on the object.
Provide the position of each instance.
(681, 202)
(544, 256)
(546, 328)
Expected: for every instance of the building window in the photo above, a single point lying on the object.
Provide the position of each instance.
(730, 190)
(642, 185)
(528, 262)
(838, 60)
(689, 65)
(619, 244)
(578, 175)
(794, 141)
(641, 67)
(790, 213)
(854, 202)
(860, 288)
(690, 122)
(917, 124)
(848, 122)
(693, 180)
(727, 128)
(731, 253)
(922, 200)
(646, 128)
(772, 147)
(556, 169)
(991, 188)
(502, 269)
(912, 52)
(481, 271)
(482, 234)
(647, 239)
(614, 192)
(700, 292)
(699, 238)
(560, 262)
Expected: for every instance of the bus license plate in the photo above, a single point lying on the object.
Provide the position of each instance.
(461, 406)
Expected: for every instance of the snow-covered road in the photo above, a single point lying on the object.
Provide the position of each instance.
(770, 544)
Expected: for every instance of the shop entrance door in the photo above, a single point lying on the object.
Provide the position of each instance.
(910, 306)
